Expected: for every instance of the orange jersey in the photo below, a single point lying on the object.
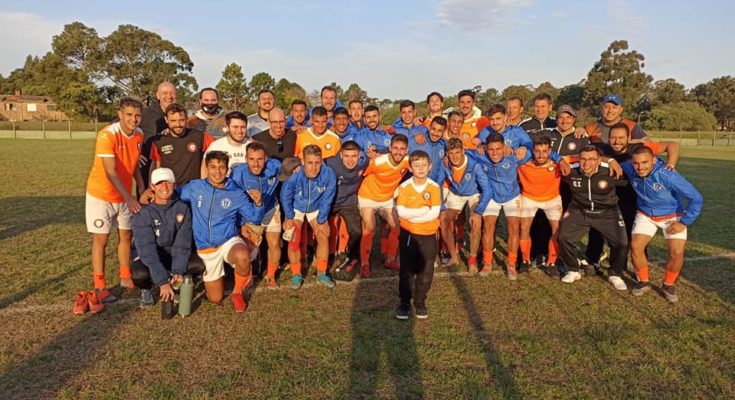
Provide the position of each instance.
(328, 142)
(113, 143)
(458, 172)
(418, 207)
(382, 178)
(539, 182)
(470, 129)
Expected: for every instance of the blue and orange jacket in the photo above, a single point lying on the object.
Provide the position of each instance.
(514, 136)
(267, 182)
(218, 213)
(503, 175)
(300, 193)
(662, 192)
(474, 181)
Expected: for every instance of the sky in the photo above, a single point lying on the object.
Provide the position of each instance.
(406, 48)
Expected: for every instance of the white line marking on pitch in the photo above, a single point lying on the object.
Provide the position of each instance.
(66, 306)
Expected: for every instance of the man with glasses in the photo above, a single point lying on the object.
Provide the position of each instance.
(279, 143)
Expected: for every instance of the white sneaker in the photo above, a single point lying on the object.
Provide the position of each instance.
(571, 277)
(617, 283)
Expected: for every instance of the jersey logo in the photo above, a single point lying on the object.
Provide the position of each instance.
(192, 147)
(328, 146)
(167, 149)
(225, 203)
(602, 184)
(657, 187)
(441, 153)
(467, 176)
(508, 142)
(386, 142)
(179, 218)
(551, 168)
(427, 196)
(486, 168)
(505, 165)
(321, 189)
(271, 180)
(572, 146)
(98, 223)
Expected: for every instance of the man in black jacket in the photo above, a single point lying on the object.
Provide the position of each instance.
(153, 122)
(162, 235)
(594, 204)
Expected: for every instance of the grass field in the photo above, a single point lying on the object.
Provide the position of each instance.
(485, 338)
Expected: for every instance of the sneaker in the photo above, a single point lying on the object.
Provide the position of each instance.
(346, 271)
(643, 288)
(571, 277)
(365, 271)
(617, 282)
(525, 267)
(238, 302)
(324, 280)
(95, 305)
(421, 312)
(296, 282)
(512, 273)
(146, 298)
(485, 271)
(444, 256)
(472, 269)
(81, 305)
(541, 262)
(403, 312)
(127, 283)
(551, 270)
(270, 281)
(598, 269)
(105, 296)
(588, 268)
(669, 293)
(393, 264)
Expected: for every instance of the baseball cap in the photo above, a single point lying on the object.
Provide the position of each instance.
(162, 174)
(287, 167)
(566, 108)
(613, 98)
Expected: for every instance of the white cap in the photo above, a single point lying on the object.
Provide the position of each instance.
(162, 174)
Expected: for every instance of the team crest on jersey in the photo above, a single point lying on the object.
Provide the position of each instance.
(321, 189)
(572, 146)
(486, 168)
(551, 168)
(192, 147)
(602, 184)
(271, 180)
(386, 142)
(467, 176)
(179, 218)
(508, 142)
(441, 153)
(505, 165)
(225, 203)
(328, 146)
(474, 124)
(98, 223)
(426, 196)
(657, 187)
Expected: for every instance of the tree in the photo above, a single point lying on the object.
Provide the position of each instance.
(718, 97)
(523, 92)
(680, 116)
(484, 100)
(572, 95)
(619, 71)
(260, 81)
(354, 92)
(667, 91)
(338, 89)
(232, 87)
(287, 92)
(549, 89)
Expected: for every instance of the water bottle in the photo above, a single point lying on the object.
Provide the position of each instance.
(186, 295)
(167, 309)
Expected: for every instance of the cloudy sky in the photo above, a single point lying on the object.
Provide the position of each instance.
(405, 48)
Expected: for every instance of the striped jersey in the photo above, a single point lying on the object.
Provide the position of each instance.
(418, 206)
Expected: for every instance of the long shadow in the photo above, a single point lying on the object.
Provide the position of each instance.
(70, 353)
(376, 335)
(502, 377)
(38, 286)
(23, 214)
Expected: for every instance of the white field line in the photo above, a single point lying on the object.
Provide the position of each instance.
(262, 289)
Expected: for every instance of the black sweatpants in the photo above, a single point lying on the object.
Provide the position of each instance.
(141, 275)
(417, 254)
(351, 216)
(595, 242)
(609, 223)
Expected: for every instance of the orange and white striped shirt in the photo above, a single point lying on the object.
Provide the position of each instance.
(113, 143)
(328, 141)
(382, 178)
(418, 206)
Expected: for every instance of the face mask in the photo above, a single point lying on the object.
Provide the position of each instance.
(211, 109)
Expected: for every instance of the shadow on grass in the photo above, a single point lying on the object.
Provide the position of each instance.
(376, 337)
(31, 289)
(70, 353)
(502, 377)
(23, 214)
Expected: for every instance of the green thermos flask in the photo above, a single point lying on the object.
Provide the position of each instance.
(186, 295)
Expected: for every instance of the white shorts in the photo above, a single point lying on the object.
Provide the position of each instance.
(512, 208)
(272, 219)
(103, 216)
(214, 261)
(299, 216)
(552, 208)
(645, 225)
(457, 202)
(377, 205)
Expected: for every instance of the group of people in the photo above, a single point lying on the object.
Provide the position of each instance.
(212, 185)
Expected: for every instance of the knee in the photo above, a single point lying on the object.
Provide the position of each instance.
(676, 253)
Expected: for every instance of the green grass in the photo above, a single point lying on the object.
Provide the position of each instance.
(486, 338)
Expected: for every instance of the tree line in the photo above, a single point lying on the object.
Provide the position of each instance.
(86, 73)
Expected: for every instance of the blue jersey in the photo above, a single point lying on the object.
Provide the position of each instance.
(514, 136)
(306, 195)
(436, 151)
(267, 182)
(474, 180)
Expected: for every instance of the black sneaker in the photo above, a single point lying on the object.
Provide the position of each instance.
(346, 271)
(403, 312)
(641, 289)
(422, 312)
(669, 293)
(551, 270)
(589, 269)
(541, 261)
(525, 267)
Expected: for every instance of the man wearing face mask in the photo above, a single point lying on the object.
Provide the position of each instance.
(180, 148)
(210, 117)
